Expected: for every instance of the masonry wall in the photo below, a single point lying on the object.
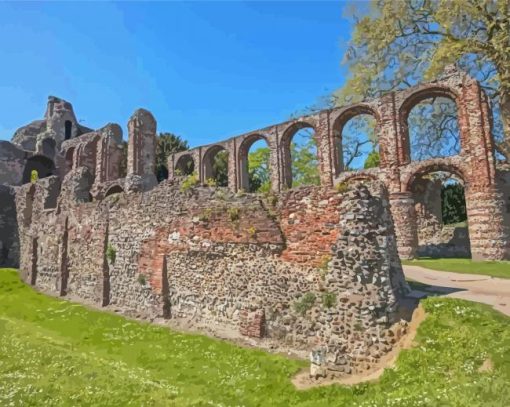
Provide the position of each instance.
(224, 262)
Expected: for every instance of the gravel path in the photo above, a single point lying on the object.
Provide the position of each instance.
(489, 290)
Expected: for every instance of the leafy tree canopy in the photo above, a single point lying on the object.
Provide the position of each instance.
(305, 165)
(258, 170)
(400, 43)
(168, 143)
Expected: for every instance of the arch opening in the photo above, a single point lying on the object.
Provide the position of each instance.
(115, 189)
(216, 166)
(301, 164)
(161, 173)
(185, 165)
(431, 126)
(254, 165)
(40, 165)
(68, 129)
(356, 141)
(441, 214)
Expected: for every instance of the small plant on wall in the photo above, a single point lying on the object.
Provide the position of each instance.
(34, 176)
(305, 303)
(111, 253)
(252, 231)
(328, 300)
(141, 279)
(233, 214)
(342, 187)
(211, 182)
(189, 182)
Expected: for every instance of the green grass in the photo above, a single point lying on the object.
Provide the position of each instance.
(467, 266)
(58, 353)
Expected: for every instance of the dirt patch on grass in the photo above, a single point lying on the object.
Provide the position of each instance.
(303, 381)
(487, 366)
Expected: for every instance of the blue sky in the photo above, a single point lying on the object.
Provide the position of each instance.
(206, 70)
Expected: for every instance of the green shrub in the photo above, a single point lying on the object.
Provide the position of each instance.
(178, 172)
(205, 215)
(211, 182)
(111, 253)
(324, 265)
(271, 198)
(252, 231)
(34, 176)
(141, 279)
(342, 187)
(329, 299)
(233, 214)
(189, 182)
(304, 303)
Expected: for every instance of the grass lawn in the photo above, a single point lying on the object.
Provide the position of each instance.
(466, 266)
(55, 353)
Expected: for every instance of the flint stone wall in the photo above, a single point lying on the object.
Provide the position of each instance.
(210, 258)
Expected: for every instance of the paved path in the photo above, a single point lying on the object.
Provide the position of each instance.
(474, 287)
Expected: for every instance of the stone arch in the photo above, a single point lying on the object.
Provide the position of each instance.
(208, 164)
(68, 129)
(356, 176)
(411, 101)
(435, 236)
(243, 151)
(339, 124)
(43, 165)
(114, 189)
(185, 165)
(430, 166)
(285, 149)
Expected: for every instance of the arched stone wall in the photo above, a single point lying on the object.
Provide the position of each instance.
(208, 160)
(284, 147)
(185, 165)
(412, 100)
(338, 123)
(243, 150)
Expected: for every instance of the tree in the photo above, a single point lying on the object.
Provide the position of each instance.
(359, 140)
(305, 166)
(168, 143)
(258, 170)
(372, 160)
(400, 43)
(453, 203)
(220, 168)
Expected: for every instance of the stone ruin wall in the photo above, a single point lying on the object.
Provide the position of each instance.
(238, 265)
(206, 265)
(488, 234)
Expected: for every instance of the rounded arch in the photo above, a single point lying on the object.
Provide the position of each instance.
(68, 129)
(43, 165)
(215, 165)
(428, 167)
(413, 100)
(185, 165)
(356, 176)
(114, 189)
(243, 151)
(285, 148)
(338, 126)
(439, 199)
